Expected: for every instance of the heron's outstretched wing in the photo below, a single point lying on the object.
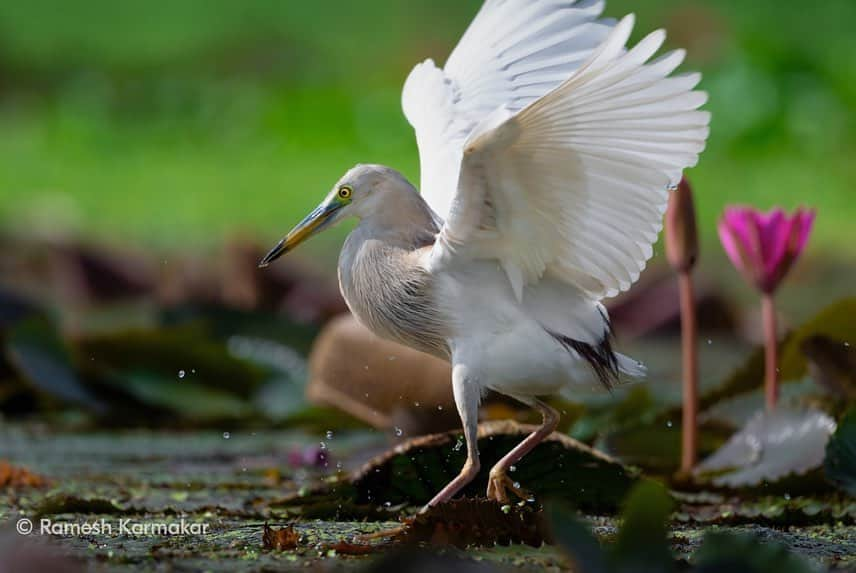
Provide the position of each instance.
(514, 52)
(574, 186)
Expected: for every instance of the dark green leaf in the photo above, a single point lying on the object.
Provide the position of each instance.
(642, 544)
(35, 349)
(576, 539)
(730, 553)
(840, 462)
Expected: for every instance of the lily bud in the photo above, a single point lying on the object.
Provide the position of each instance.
(681, 232)
(764, 246)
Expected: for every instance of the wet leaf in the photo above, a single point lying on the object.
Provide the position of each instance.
(281, 539)
(642, 545)
(558, 468)
(730, 553)
(840, 462)
(35, 349)
(770, 447)
(475, 523)
(65, 503)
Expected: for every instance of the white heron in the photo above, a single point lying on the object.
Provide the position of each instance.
(547, 149)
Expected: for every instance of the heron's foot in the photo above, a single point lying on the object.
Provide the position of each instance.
(499, 484)
(468, 473)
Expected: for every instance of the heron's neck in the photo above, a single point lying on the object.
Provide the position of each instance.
(401, 219)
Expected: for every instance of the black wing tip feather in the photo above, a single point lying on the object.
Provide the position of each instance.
(600, 357)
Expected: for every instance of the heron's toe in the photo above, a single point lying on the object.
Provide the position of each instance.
(499, 484)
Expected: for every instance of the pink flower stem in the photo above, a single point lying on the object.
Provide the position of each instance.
(771, 354)
(689, 347)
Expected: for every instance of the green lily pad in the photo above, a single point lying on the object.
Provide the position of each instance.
(840, 462)
(36, 351)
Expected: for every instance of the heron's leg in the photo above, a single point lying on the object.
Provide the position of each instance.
(498, 480)
(467, 396)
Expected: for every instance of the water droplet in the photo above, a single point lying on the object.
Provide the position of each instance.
(517, 485)
(322, 445)
(458, 445)
(338, 465)
(226, 435)
(329, 434)
(846, 345)
(399, 432)
(439, 407)
(787, 497)
(181, 373)
(709, 341)
(387, 504)
(669, 423)
(512, 468)
(193, 370)
(416, 404)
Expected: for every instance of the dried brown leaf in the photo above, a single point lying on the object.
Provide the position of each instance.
(281, 539)
(18, 477)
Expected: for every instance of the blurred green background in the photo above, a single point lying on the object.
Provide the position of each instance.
(175, 124)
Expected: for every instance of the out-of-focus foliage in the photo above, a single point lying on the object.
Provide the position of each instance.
(840, 464)
(174, 122)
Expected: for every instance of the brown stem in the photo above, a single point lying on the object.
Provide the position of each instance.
(771, 353)
(689, 346)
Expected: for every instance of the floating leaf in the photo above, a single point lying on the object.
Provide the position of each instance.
(771, 446)
(169, 351)
(840, 462)
(558, 468)
(728, 552)
(35, 349)
(194, 402)
(475, 523)
(656, 447)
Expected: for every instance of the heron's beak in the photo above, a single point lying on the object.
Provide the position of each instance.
(313, 223)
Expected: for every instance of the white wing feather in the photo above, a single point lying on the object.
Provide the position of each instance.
(574, 185)
(514, 52)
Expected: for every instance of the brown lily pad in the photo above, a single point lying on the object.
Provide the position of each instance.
(476, 523)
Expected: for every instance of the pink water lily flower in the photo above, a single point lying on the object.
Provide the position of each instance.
(764, 246)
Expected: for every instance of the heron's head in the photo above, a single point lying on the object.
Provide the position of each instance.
(362, 191)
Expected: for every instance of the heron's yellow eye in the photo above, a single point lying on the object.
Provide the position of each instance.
(345, 192)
